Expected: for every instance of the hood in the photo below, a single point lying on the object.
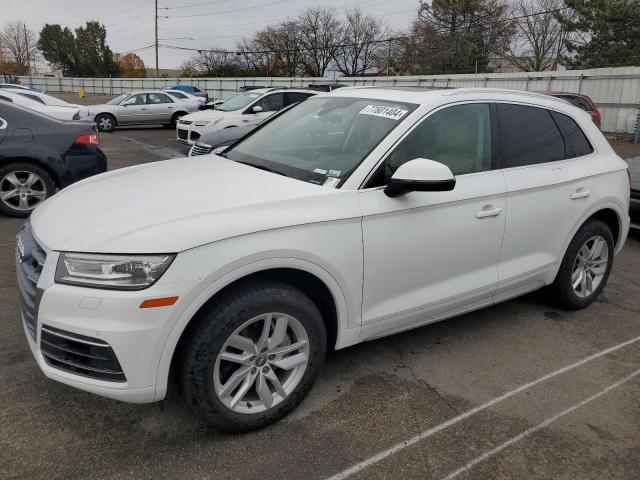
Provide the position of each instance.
(207, 115)
(174, 205)
(634, 171)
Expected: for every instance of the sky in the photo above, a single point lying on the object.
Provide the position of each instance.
(191, 23)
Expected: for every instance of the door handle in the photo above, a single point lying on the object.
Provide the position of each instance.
(488, 212)
(580, 193)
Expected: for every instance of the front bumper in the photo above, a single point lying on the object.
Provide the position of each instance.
(109, 321)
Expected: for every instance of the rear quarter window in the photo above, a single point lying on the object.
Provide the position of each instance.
(576, 142)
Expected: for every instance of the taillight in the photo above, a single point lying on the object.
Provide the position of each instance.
(89, 138)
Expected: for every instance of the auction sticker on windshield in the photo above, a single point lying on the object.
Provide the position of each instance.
(385, 112)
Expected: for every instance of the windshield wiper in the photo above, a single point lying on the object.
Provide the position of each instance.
(262, 167)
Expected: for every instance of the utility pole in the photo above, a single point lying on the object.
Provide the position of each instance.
(388, 57)
(156, 44)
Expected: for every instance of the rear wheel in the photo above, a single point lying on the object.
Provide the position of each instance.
(23, 186)
(253, 356)
(174, 119)
(105, 122)
(586, 266)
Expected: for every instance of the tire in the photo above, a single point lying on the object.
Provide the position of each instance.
(31, 184)
(174, 119)
(206, 378)
(105, 122)
(574, 267)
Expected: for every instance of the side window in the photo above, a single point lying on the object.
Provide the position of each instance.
(459, 137)
(156, 98)
(578, 102)
(528, 135)
(576, 142)
(295, 97)
(272, 103)
(139, 99)
(197, 90)
(179, 95)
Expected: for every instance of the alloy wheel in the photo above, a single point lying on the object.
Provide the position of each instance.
(261, 363)
(590, 266)
(22, 190)
(105, 123)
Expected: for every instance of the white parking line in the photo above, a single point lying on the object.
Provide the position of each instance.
(452, 421)
(539, 426)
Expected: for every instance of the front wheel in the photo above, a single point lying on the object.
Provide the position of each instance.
(23, 186)
(585, 267)
(253, 356)
(105, 122)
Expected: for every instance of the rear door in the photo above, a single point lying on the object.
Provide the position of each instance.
(161, 107)
(134, 109)
(543, 155)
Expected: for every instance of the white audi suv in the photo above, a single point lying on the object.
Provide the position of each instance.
(351, 216)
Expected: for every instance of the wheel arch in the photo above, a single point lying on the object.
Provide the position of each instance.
(311, 279)
(115, 120)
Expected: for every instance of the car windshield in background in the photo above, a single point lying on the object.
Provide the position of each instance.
(321, 140)
(239, 101)
(118, 99)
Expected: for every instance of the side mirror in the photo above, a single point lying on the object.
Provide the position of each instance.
(256, 109)
(420, 175)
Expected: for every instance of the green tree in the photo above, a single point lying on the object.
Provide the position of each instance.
(58, 47)
(604, 33)
(84, 54)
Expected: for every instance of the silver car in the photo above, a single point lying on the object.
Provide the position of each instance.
(139, 108)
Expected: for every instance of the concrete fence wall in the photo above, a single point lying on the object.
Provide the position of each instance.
(616, 91)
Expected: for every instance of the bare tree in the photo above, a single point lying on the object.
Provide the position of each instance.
(283, 41)
(362, 43)
(321, 34)
(539, 40)
(252, 56)
(214, 62)
(19, 45)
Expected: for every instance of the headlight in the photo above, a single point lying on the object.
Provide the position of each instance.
(204, 123)
(116, 272)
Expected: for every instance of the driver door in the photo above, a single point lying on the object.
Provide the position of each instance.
(428, 255)
(134, 109)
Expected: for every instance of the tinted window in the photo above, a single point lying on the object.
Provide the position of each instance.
(459, 137)
(196, 89)
(576, 142)
(528, 135)
(272, 103)
(295, 97)
(155, 98)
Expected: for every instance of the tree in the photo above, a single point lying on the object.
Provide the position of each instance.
(215, 62)
(321, 34)
(130, 65)
(84, 54)
(606, 33)
(283, 40)
(19, 47)
(58, 46)
(362, 46)
(539, 39)
(457, 36)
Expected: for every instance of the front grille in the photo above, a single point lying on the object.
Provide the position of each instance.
(29, 262)
(80, 355)
(183, 134)
(184, 122)
(200, 149)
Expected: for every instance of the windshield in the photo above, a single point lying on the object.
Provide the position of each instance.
(118, 99)
(322, 140)
(239, 101)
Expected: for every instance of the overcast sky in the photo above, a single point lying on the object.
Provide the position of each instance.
(207, 23)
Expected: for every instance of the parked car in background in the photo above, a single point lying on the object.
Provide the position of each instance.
(219, 138)
(188, 97)
(248, 88)
(326, 87)
(192, 89)
(16, 85)
(51, 101)
(581, 101)
(355, 215)
(214, 104)
(140, 108)
(248, 108)
(62, 112)
(40, 154)
(634, 177)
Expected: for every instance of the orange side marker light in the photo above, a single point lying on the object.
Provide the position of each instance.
(159, 302)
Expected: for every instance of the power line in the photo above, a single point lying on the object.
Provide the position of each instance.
(223, 12)
(195, 5)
